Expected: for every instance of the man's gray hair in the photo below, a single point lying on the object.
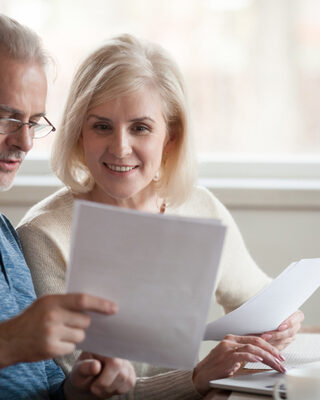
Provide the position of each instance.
(20, 42)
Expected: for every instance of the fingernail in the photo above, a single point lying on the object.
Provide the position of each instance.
(258, 358)
(267, 336)
(281, 366)
(283, 327)
(283, 369)
(281, 357)
(111, 307)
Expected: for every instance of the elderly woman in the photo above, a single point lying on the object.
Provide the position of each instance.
(125, 140)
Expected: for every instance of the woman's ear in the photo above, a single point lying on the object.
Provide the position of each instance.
(171, 139)
(169, 145)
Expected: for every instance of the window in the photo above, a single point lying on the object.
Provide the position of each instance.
(252, 67)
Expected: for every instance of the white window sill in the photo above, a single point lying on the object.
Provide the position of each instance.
(262, 193)
(233, 192)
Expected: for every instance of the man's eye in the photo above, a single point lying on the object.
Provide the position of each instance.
(34, 123)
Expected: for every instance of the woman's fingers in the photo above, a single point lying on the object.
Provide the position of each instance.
(258, 342)
(253, 349)
(293, 321)
(286, 331)
(251, 353)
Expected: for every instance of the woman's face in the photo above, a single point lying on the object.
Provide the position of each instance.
(123, 142)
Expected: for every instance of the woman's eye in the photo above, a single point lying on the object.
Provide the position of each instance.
(141, 129)
(102, 127)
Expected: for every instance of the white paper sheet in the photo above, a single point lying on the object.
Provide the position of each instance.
(265, 311)
(159, 269)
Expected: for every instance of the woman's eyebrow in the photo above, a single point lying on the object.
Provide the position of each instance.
(140, 119)
(98, 117)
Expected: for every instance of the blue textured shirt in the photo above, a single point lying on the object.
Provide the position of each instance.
(23, 381)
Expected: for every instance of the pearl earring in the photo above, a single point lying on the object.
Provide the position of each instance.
(156, 176)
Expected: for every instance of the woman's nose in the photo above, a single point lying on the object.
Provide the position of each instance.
(120, 146)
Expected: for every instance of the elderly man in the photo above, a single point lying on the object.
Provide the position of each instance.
(35, 330)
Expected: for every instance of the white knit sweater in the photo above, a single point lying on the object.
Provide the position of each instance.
(45, 237)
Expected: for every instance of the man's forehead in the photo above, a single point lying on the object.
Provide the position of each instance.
(23, 88)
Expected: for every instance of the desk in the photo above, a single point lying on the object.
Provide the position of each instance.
(224, 395)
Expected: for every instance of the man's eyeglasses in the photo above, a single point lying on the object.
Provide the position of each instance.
(40, 128)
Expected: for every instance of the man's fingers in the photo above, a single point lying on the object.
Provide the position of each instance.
(84, 373)
(108, 375)
(76, 319)
(86, 302)
(116, 377)
(72, 335)
(89, 368)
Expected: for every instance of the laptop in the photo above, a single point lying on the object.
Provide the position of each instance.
(259, 383)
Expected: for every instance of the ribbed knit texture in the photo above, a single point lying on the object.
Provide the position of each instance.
(45, 237)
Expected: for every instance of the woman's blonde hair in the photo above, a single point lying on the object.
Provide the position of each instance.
(121, 66)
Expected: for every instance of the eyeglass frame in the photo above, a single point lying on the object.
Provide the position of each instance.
(29, 124)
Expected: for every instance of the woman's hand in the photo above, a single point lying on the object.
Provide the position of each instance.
(102, 377)
(286, 332)
(229, 355)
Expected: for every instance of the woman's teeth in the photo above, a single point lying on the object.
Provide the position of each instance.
(119, 168)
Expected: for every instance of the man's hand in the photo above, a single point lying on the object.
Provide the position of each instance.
(49, 327)
(286, 332)
(102, 377)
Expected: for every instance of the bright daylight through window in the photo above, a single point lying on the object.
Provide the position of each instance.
(252, 66)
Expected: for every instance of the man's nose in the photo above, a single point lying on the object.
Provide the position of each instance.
(22, 139)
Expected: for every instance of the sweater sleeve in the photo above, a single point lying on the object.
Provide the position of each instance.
(173, 385)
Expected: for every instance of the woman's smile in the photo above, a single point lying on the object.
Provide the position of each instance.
(120, 169)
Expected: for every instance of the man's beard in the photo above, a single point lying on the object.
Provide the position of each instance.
(8, 155)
